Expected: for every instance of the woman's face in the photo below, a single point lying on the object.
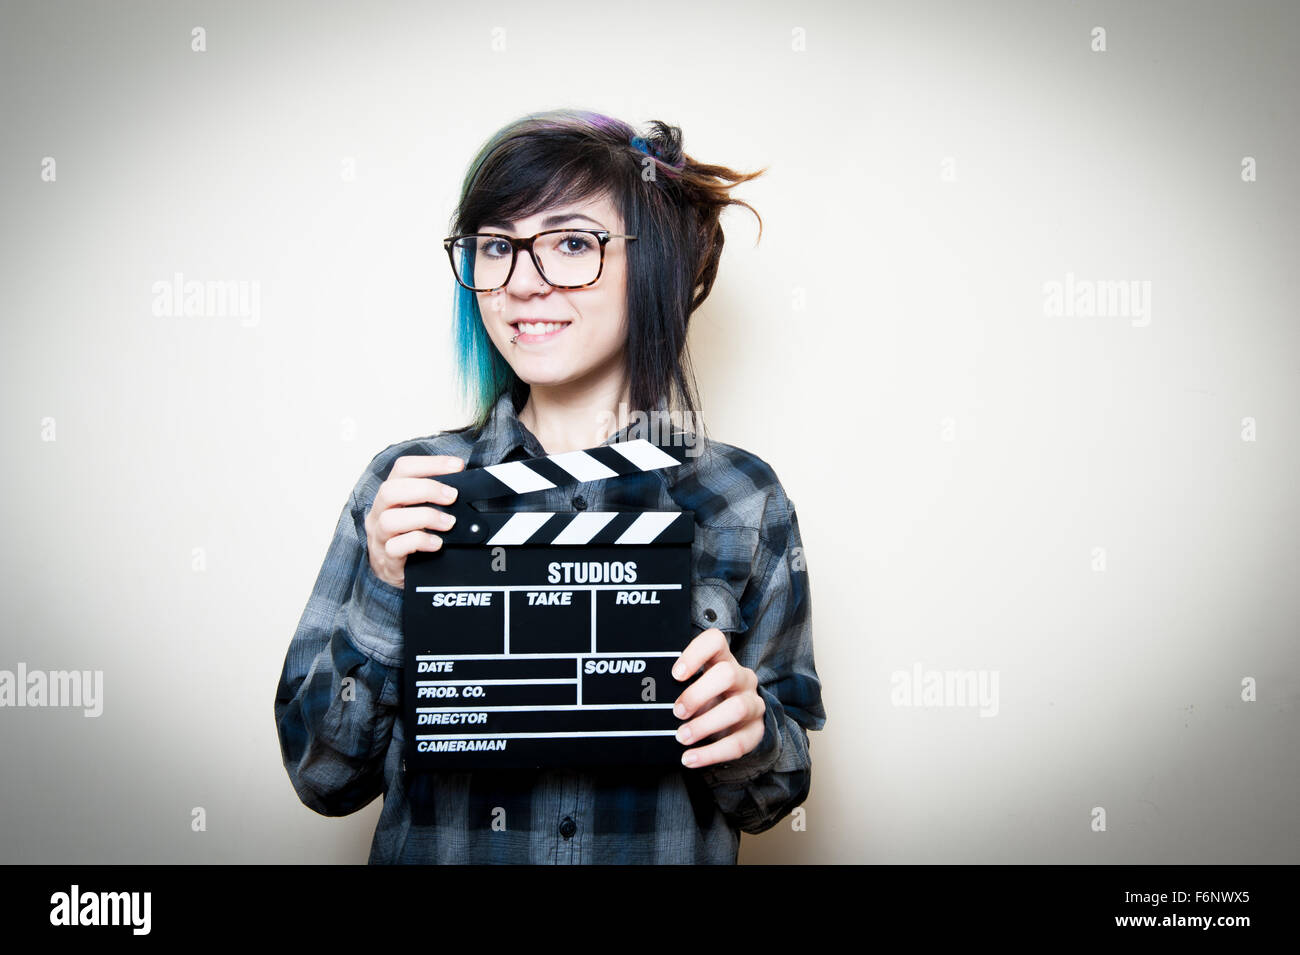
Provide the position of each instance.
(588, 343)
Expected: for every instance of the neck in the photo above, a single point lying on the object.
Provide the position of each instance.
(567, 418)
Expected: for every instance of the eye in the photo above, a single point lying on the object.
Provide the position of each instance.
(493, 247)
(575, 243)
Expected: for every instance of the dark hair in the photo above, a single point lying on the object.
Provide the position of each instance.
(670, 201)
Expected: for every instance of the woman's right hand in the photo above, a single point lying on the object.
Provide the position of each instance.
(394, 528)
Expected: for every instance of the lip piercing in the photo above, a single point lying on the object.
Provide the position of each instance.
(512, 341)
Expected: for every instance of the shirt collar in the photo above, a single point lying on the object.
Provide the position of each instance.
(504, 434)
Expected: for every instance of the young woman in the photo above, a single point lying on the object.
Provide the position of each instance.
(569, 337)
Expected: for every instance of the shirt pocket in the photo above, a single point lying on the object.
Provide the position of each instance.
(714, 605)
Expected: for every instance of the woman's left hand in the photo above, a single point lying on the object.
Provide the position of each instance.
(723, 701)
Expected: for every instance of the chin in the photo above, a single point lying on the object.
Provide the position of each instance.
(547, 375)
(543, 379)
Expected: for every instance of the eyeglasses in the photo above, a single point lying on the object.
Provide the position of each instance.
(565, 258)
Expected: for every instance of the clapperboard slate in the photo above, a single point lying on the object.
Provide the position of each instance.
(544, 639)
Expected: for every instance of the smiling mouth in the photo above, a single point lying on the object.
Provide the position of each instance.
(528, 332)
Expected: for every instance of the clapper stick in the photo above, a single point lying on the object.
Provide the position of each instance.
(502, 483)
(541, 638)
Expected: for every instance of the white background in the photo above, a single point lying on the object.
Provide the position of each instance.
(955, 454)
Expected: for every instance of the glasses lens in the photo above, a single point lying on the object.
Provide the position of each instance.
(568, 258)
(481, 261)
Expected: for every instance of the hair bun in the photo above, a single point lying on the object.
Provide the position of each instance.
(665, 143)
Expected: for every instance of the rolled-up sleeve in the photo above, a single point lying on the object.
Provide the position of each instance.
(760, 788)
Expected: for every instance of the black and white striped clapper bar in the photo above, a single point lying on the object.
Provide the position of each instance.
(543, 639)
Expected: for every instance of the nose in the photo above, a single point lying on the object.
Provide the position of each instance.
(526, 279)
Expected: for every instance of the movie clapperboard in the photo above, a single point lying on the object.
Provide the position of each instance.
(544, 639)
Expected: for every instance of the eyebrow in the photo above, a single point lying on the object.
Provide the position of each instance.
(548, 222)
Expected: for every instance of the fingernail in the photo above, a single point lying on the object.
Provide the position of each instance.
(677, 670)
(688, 759)
(683, 735)
(679, 711)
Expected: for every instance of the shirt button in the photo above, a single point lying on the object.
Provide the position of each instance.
(568, 827)
(580, 502)
(709, 615)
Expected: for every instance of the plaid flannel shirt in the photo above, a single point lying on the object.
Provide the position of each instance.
(749, 580)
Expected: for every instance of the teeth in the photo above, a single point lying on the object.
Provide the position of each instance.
(539, 328)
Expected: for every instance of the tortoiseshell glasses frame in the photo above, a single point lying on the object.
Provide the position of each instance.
(517, 244)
